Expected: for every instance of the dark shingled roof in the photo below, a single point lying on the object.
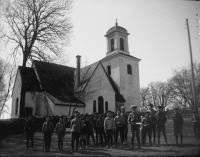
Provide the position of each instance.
(57, 80)
(29, 79)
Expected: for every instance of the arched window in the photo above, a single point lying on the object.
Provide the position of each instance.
(122, 44)
(129, 69)
(100, 104)
(16, 106)
(112, 44)
(94, 106)
(106, 106)
(109, 70)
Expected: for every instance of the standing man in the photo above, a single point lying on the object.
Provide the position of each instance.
(47, 130)
(134, 118)
(125, 125)
(178, 125)
(29, 129)
(153, 126)
(161, 119)
(196, 124)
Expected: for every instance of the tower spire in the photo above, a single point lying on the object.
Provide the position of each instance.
(116, 22)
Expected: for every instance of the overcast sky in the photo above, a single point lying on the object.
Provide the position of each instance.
(158, 34)
(157, 28)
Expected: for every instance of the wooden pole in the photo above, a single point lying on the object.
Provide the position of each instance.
(191, 61)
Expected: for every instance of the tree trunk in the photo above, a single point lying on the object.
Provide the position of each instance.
(25, 58)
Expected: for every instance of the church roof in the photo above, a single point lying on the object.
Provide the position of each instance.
(29, 79)
(116, 28)
(57, 80)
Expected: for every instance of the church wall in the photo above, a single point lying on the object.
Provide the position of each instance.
(16, 94)
(101, 85)
(129, 84)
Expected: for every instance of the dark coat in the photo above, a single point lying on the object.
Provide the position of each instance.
(161, 118)
(30, 126)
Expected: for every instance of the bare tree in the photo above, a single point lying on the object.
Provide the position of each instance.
(39, 29)
(181, 86)
(6, 78)
(145, 96)
(160, 92)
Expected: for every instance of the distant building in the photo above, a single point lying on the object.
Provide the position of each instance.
(108, 84)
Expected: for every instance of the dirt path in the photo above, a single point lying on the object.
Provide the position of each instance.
(14, 145)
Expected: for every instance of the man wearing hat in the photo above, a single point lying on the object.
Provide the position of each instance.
(161, 119)
(29, 129)
(178, 125)
(133, 119)
(152, 116)
(125, 125)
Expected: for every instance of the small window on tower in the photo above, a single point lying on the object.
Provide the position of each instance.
(122, 44)
(129, 69)
(109, 70)
(112, 44)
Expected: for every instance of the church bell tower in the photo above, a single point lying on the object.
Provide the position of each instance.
(117, 40)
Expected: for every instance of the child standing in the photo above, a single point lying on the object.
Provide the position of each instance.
(109, 127)
(119, 122)
(75, 126)
(89, 127)
(100, 127)
(83, 133)
(47, 130)
(147, 122)
(60, 129)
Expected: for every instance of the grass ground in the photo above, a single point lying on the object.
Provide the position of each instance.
(14, 145)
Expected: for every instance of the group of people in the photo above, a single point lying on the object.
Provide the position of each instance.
(108, 127)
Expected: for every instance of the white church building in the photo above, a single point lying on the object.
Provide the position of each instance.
(107, 84)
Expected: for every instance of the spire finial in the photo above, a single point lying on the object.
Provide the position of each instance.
(116, 22)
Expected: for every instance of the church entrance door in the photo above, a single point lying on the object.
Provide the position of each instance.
(100, 104)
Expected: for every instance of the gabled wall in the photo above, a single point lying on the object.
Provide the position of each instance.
(102, 87)
(16, 93)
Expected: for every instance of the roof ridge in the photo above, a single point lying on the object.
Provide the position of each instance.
(52, 63)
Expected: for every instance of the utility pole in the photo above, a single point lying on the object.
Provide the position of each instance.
(191, 61)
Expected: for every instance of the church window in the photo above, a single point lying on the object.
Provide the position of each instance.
(16, 106)
(106, 106)
(122, 44)
(109, 70)
(94, 106)
(112, 44)
(100, 104)
(129, 69)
